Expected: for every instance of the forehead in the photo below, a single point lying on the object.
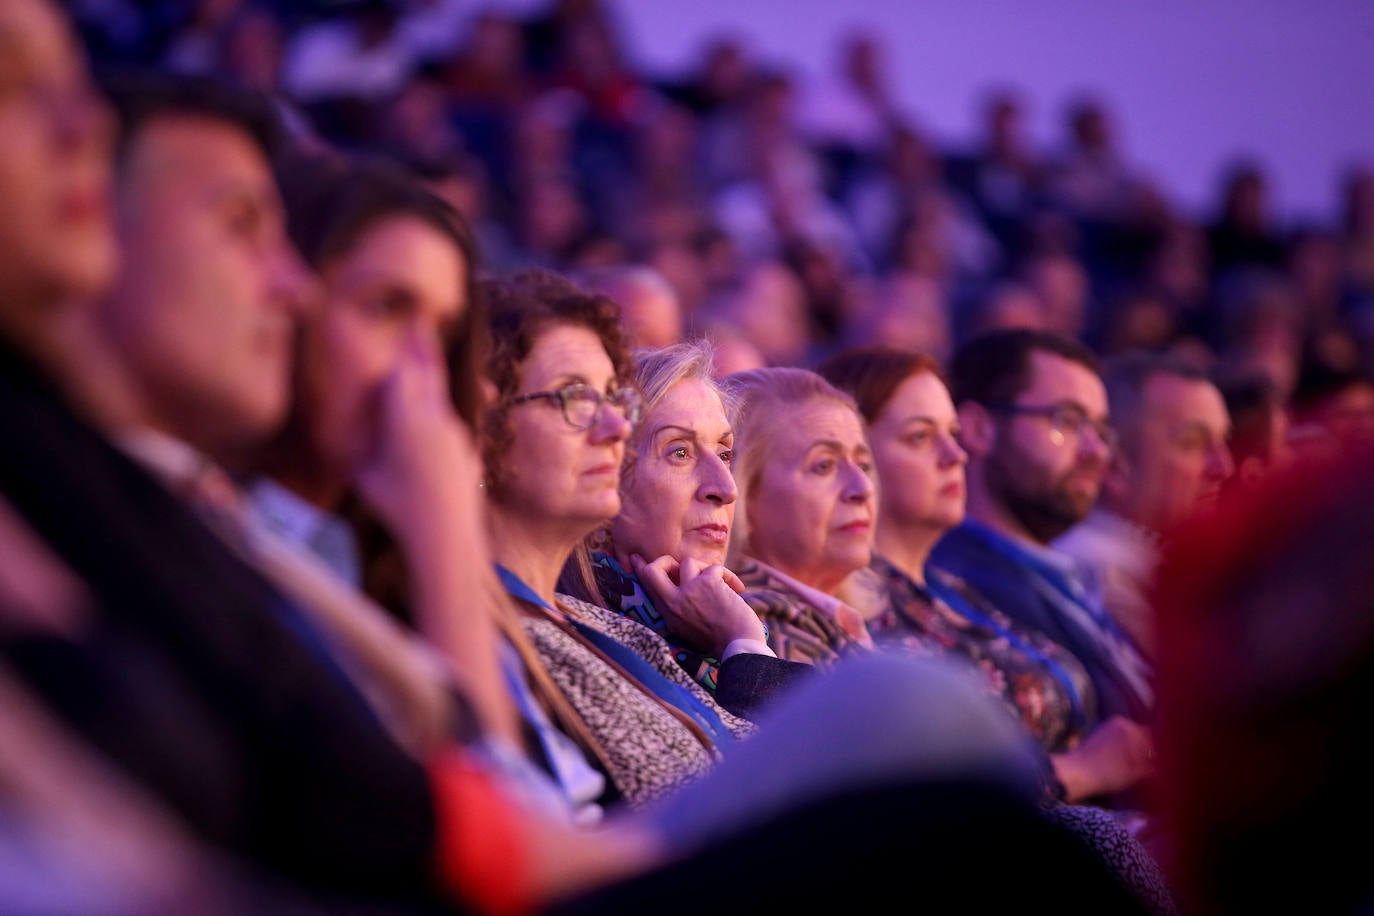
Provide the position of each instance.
(921, 394)
(817, 420)
(1054, 379)
(564, 351)
(1175, 399)
(31, 31)
(693, 404)
(406, 249)
(178, 153)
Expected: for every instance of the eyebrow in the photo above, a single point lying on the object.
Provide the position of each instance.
(835, 445)
(688, 431)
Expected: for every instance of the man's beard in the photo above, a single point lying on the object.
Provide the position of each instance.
(1045, 512)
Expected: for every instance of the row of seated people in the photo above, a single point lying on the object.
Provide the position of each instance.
(590, 663)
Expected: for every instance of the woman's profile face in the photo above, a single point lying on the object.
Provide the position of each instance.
(402, 280)
(554, 472)
(679, 496)
(919, 462)
(812, 501)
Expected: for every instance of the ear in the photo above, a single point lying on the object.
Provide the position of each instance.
(977, 429)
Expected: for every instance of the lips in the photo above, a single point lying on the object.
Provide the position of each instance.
(859, 526)
(602, 470)
(712, 533)
(83, 206)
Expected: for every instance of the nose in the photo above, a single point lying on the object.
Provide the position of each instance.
(717, 484)
(858, 485)
(951, 452)
(294, 285)
(1092, 444)
(611, 425)
(1220, 464)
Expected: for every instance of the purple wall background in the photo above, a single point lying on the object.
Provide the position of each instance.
(1190, 83)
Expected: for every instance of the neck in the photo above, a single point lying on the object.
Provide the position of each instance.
(828, 584)
(314, 485)
(81, 358)
(529, 549)
(906, 547)
(986, 510)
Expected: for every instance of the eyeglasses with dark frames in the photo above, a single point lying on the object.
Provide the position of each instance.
(1065, 420)
(581, 403)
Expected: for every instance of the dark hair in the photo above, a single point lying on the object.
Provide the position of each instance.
(140, 96)
(994, 367)
(1125, 376)
(522, 307)
(871, 374)
(1252, 400)
(332, 200)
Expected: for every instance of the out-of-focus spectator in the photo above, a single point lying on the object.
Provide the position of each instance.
(355, 56)
(769, 311)
(1259, 427)
(1241, 233)
(1089, 178)
(1333, 398)
(1267, 658)
(1007, 304)
(195, 46)
(904, 310)
(1172, 462)
(1001, 174)
(850, 114)
(343, 70)
(649, 308)
(430, 31)
(1061, 284)
(1257, 326)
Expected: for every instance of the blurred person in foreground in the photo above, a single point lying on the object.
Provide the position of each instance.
(1266, 667)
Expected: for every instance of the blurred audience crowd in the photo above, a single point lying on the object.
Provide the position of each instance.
(795, 216)
(448, 470)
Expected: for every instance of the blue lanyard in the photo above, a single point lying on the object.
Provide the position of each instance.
(957, 601)
(1132, 670)
(648, 676)
(1054, 578)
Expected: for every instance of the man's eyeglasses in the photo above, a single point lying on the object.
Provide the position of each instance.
(581, 403)
(1065, 420)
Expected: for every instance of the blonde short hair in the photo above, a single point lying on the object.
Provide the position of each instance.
(767, 400)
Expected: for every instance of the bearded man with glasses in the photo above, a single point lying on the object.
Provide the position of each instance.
(1033, 417)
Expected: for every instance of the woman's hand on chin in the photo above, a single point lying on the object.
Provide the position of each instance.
(700, 602)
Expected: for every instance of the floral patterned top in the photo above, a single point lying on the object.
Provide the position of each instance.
(798, 630)
(1041, 681)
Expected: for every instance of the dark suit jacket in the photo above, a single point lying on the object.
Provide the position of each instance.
(191, 679)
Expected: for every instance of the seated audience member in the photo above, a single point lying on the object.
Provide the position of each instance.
(649, 306)
(1266, 656)
(373, 432)
(554, 444)
(193, 674)
(1172, 461)
(913, 431)
(1032, 413)
(1259, 427)
(806, 511)
(661, 559)
(201, 679)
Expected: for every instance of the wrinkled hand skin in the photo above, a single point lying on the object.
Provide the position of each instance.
(701, 603)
